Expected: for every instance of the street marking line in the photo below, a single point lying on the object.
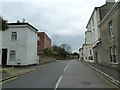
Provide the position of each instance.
(103, 78)
(23, 74)
(66, 67)
(8, 80)
(108, 78)
(58, 82)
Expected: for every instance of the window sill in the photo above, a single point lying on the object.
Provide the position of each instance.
(13, 40)
(111, 37)
(113, 63)
(11, 60)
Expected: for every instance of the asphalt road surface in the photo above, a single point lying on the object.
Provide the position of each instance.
(63, 74)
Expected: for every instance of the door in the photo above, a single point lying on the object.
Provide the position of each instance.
(96, 57)
(4, 57)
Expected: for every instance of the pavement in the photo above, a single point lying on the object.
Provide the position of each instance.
(109, 73)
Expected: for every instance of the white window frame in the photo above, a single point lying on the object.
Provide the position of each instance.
(111, 29)
(90, 52)
(113, 53)
(15, 35)
(10, 54)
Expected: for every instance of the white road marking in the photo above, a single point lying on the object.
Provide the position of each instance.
(8, 80)
(57, 84)
(109, 77)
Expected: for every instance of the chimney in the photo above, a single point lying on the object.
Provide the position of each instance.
(110, 1)
(18, 21)
(23, 20)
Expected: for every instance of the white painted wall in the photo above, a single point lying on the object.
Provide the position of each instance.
(84, 53)
(19, 45)
(24, 46)
(0, 47)
(92, 33)
(31, 47)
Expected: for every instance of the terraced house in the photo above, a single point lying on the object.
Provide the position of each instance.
(0, 46)
(92, 35)
(106, 51)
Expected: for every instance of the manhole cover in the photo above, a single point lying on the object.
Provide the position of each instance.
(87, 83)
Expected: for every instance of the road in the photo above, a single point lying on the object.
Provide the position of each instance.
(63, 74)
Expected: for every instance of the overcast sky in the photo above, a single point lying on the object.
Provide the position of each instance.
(63, 20)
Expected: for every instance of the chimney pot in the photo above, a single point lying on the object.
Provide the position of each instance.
(110, 1)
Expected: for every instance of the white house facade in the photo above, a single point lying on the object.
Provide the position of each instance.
(81, 54)
(88, 46)
(93, 30)
(0, 46)
(19, 44)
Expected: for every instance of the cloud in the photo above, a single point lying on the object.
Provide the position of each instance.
(74, 41)
(63, 20)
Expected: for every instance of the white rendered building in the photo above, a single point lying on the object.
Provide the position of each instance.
(19, 44)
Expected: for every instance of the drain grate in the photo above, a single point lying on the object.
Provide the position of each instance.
(87, 83)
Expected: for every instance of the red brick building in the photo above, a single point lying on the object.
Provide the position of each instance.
(43, 42)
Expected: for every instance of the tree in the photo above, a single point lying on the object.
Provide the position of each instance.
(66, 47)
(50, 53)
(3, 24)
(60, 51)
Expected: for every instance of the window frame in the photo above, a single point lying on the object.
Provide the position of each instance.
(113, 55)
(110, 25)
(14, 35)
(10, 55)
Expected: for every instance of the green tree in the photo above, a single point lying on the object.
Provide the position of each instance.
(3, 24)
(47, 52)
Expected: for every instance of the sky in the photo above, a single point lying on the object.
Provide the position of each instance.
(64, 21)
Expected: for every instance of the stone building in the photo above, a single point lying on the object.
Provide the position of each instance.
(106, 51)
(93, 30)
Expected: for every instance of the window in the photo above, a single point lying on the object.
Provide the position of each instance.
(111, 29)
(113, 55)
(93, 21)
(38, 38)
(90, 52)
(14, 36)
(94, 34)
(12, 55)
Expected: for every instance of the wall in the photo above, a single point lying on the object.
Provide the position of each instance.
(98, 50)
(19, 46)
(31, 47)
(44, 42)
(0, 46)
(108, 42)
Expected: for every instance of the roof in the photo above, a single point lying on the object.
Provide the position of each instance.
(23, 24)
(96, 9)
(92, 15)
(114, 8)
(45, 34)
(87, 31)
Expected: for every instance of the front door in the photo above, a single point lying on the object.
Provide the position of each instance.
(4, 57)
(96, 57)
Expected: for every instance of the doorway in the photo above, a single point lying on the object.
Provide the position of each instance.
(96, 57)
(4, 57)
